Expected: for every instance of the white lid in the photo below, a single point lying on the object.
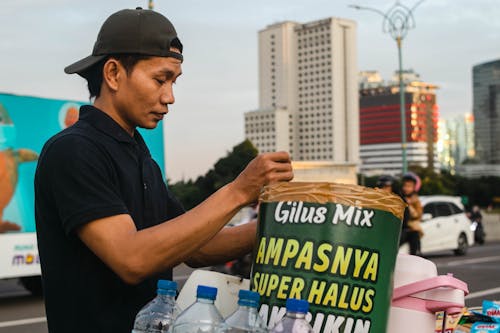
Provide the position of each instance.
(411, 269)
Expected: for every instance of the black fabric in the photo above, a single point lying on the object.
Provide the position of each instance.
(92, 170)
(132, 31)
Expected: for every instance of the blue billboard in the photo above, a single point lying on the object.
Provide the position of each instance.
(26, 123)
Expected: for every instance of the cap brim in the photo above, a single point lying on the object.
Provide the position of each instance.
(82, 65)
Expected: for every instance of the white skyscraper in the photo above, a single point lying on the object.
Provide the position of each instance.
(308, 91)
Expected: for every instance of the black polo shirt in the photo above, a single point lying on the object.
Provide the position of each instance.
(91, 170)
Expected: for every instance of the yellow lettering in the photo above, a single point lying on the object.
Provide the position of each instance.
(274, 250)
(274, 280)
(342, 259)
(343, 296)
(359, 260)
(285, 280)
(325, 260)
(331, 295)
(291, 250)
(255, 281)
(259, 258)
(357, 298)
(264, 278)
(367, 308)
(305, 257)
(297, 287)
(371, 268)
(316, 292)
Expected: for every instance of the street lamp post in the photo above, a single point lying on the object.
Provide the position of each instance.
(397, 21)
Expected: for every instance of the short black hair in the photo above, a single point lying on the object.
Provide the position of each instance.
(94, 74)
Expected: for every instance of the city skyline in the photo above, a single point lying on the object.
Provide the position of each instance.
(39, 38)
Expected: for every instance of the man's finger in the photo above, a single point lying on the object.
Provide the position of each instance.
(280, 156)
(281, 167)
(281, 177)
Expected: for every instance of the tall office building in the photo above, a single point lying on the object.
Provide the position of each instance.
(455, 141)
(486, 108)
(308, 92)
(380, 125)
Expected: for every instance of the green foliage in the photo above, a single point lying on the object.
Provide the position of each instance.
(191, 193)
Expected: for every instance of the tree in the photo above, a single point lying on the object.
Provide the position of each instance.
(224, 171)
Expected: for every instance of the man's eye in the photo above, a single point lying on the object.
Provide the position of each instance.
(160, 81)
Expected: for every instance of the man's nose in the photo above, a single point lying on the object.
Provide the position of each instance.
(167, 95)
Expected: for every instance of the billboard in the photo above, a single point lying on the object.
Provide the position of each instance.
(26, 123)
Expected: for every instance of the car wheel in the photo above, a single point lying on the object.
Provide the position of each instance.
(33, 284)
(462, 245)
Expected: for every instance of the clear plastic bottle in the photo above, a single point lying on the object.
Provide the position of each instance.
(246, 318)
(158, 315)
(295, 319)
(201, 316)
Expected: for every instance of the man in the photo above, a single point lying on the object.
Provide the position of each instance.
(413, 232)
(385, 183)
(101, 205)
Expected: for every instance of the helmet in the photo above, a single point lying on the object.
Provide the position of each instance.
(413, 177)
(385, 180)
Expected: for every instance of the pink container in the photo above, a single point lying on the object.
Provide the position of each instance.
(419, 293)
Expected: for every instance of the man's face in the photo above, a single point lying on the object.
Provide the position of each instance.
(144, 94)
(387, 188)
(408, 187)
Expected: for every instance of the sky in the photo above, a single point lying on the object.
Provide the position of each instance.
(38, 38)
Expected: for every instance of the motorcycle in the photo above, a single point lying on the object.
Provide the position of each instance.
(479, 235)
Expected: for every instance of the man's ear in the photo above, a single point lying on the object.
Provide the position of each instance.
(112, 73)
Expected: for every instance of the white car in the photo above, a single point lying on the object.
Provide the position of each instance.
(445, 226)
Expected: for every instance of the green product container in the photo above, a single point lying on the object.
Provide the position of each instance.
(333, 245)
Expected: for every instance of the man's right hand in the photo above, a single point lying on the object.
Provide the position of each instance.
(265, 169)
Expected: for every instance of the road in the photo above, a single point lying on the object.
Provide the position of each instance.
(22, 313)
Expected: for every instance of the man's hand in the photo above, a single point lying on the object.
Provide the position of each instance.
(263, 170)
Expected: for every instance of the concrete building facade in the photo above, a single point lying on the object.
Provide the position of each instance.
(486, 109)
(456, 141)
(380, 126)
(308, 91)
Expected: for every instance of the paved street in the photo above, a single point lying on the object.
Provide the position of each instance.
(22, 313)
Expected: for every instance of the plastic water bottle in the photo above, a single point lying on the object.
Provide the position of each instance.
(158, 315)
(245, 319)
(295, 319)
(202, 315)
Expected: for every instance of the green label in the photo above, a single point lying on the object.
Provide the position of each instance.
(339, 258)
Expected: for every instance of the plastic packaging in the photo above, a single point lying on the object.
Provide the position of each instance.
(246, 318)
(295, 318)
(492, 309)
(158, 315)
(485, 328)
(201, 316)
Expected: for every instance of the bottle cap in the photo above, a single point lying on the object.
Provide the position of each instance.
(297, 305)
(206, 292)
(166, 287)
(248, 298)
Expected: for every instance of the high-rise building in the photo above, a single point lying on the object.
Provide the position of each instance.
(308, 92)
(455, 141)
(486, 108)
(380, 125)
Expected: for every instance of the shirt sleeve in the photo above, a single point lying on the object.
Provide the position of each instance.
(82, 182)
(175, 208)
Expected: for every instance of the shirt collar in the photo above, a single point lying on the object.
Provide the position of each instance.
(104, 123)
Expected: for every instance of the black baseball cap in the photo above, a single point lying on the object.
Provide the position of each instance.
(132, 31)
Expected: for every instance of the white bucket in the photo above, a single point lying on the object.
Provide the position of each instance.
(419, 293)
